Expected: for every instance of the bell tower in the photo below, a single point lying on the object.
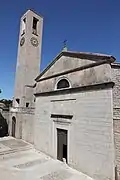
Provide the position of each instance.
(28, 58)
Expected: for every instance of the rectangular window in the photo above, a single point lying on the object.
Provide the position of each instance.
(35, 22)
(27, 104)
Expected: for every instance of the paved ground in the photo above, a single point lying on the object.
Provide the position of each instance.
(20, 161)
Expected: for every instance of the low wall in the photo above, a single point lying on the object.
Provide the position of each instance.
(24, 123)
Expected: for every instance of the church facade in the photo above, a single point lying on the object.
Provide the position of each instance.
(71, 110)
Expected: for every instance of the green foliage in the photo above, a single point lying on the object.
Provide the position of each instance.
(3, 126)
(8, 103)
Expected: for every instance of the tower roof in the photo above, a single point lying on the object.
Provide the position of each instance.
(30, 10)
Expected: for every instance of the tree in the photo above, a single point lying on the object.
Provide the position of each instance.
(3, 126)
(8, 103)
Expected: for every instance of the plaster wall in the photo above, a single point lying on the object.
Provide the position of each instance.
(28, 127)
(94, 75)
(90, 131)
(65, 63)
(28, 58)
(29, 96)
(24, 125)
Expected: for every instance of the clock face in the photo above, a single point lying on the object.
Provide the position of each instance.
(34, 41)
(22, 41)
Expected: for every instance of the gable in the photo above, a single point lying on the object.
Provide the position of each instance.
(66, 61)
(64, 64)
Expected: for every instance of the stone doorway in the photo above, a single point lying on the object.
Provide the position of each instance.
(13, 126)
(61, 144)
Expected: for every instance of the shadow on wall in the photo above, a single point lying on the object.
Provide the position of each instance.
(3, 126)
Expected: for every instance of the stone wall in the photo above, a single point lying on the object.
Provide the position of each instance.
(116, 124)
(116, 89)
(90, 131)
(116, 113)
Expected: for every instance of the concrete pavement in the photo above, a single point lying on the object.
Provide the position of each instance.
(19, 160)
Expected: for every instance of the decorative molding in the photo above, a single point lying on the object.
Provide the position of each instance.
(22, 110)
(57, 100)
(105, 85)
(61, 116)
(62, 121)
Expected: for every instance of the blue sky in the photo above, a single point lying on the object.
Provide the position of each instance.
(88, 25)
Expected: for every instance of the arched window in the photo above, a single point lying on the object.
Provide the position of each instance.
(63, 83)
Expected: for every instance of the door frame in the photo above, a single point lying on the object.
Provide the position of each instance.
(59, 149)
(64, 127)
(14, 124)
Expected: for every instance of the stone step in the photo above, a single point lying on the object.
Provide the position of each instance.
(23, 159)
(15, 155)
(16, 150)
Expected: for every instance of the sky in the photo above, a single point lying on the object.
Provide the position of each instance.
(87, 25)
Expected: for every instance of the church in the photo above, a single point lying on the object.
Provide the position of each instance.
(71, 110)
